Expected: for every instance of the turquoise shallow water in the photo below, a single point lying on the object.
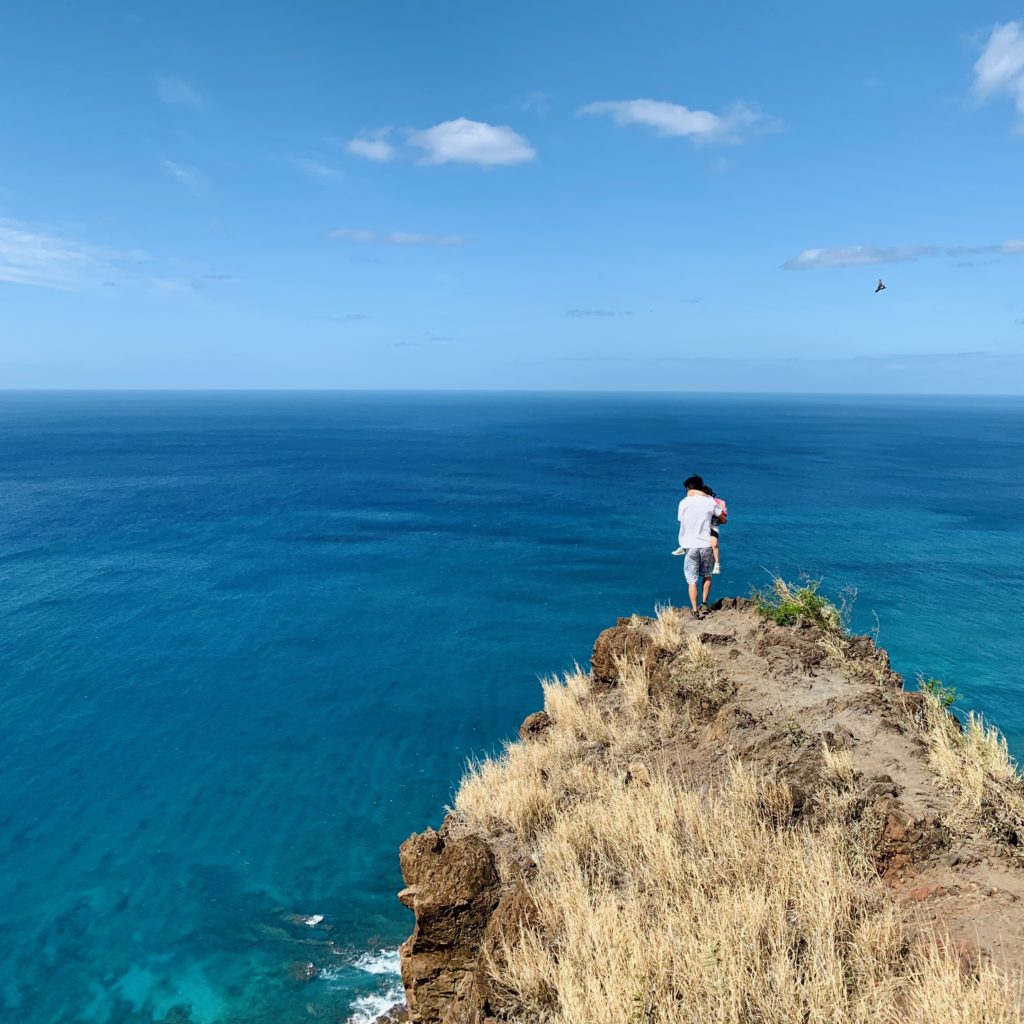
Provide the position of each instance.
(248, 641)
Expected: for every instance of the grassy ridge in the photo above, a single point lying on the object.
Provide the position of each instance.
(660, 903)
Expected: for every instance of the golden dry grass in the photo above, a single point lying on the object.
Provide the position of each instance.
(976, 765)
(661, 905)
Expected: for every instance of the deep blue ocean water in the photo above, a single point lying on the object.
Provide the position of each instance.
(247, 641)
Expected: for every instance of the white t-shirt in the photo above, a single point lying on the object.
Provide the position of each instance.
(695, 514)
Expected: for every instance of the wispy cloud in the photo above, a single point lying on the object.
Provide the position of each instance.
(865, 255)
(36, 257)
(395, 237)
(431, 336)
(42, 258)
(356, 317)
(372, 146)
(858, 256)
(597, 312)
(673, 119)
(537, 101)
(472, 142)
(999, 71)
(1011, 247)
(317, 168)
(176, 92)
(192, 179)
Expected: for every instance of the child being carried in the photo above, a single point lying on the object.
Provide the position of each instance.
(719, 520)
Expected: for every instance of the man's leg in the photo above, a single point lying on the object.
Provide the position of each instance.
(692, 573)
(707, 561)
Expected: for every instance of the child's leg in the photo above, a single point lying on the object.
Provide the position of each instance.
(714, 548)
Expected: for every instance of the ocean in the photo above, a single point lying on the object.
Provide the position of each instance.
(248, 641)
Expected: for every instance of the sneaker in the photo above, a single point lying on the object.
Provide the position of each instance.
(704, 610)
(696, 614)
(717, 569)
(679, 551)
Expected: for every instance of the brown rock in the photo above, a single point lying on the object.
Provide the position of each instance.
(453, 890)
(621, 641)
(534, 725)
(717, 639)
(638, 774)
(398, 1014)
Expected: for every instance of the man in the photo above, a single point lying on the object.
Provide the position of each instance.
(697, 511)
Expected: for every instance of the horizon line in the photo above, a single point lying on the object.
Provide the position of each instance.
(506, 391)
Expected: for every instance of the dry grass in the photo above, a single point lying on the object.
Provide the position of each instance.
(529, 783)
(666, 906)
(667, 628)
(838, 766)
(975, 764)
(659, 904)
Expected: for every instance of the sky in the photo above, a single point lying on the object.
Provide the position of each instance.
(571, 195)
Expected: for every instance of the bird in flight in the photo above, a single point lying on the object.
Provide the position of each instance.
(880, 288)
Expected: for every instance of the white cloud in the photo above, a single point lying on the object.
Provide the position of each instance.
(36, 256)
(374, 146)
(673, 119)
(472, 142)
(317, 168)
(1011, 247)
(395, 237)
(31, 256)
(999, 71)
(858, 256)
(576, 313)
(192, 179)
(177, 93)
(865, 255)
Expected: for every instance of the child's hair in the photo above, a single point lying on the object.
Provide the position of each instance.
(695, 483)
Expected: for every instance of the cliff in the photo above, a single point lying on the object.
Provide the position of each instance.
(730, 819)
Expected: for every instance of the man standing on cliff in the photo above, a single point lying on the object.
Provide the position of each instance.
(697, 511)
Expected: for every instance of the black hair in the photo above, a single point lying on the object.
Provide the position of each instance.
(695, 483)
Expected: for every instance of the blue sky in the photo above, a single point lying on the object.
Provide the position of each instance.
(467, 195)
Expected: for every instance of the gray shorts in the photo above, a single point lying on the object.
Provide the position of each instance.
(698, 564)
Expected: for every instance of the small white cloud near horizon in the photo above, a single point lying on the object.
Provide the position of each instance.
(865, 255)
(472, 142)
(372, 146)
(999, 71)
(316, 168)
(675, 120)
(176, 92)
(395, 237)
(195, 181)
(577, 313)
(858, 256)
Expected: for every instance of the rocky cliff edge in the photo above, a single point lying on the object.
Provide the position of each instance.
(725, 820)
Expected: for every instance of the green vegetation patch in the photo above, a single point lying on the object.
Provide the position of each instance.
(787, 604)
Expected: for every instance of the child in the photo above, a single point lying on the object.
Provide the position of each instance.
(721, 519)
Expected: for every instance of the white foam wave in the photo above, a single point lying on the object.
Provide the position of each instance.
(366, 1009)
(384, 961)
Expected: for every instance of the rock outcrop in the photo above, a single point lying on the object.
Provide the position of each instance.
(780, 700)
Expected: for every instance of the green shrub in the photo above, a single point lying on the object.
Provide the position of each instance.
(945, 695)
(787, 604)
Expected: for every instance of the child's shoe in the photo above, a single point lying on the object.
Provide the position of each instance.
(717, 569)
(679, 551)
